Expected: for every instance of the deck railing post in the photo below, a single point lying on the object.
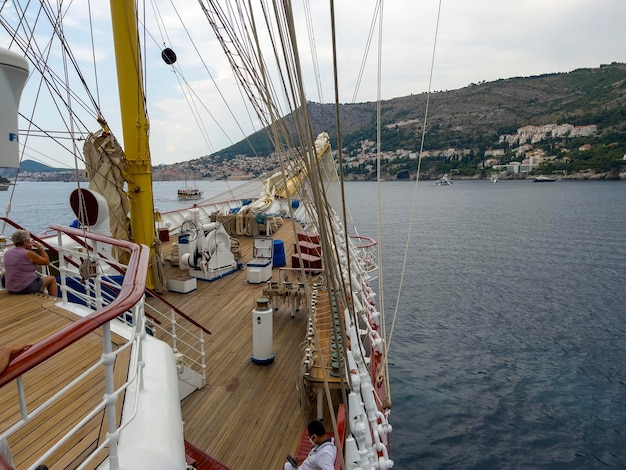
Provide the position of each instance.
(62, 267)
(173, 323)
(139, 324)
(110, 397)
(202, 357)
(22, 398)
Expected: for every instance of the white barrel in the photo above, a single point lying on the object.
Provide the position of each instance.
(262, 332)
(13, 75)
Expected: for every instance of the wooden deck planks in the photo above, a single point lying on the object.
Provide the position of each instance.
(248, 415)
(28, 319)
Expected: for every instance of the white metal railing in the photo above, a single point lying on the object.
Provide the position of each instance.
(163, 321)
(366, 249)
(186, 337)
(104, 298)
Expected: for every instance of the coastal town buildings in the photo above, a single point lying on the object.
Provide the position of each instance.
(514, 153)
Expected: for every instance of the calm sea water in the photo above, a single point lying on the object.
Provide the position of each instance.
(509, 349)
(509, 346)
(35, 205)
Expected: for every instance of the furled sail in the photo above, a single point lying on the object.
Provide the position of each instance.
(104, 162)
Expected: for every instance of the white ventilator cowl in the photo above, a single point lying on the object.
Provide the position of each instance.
(13, 75)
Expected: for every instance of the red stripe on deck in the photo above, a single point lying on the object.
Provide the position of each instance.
(200, 460)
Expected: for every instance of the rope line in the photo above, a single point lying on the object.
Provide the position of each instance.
(414, 204)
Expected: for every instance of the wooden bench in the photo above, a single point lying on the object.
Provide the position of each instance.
(306, 261)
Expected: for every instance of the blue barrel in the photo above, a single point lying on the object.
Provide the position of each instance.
(278, 258)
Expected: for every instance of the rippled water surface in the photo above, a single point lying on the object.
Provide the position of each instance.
(509, 349)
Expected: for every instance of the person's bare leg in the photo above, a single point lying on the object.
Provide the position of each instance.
(50, 283)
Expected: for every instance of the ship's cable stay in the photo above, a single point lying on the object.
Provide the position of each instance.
(381, 284)
(377, 9)
(64, 95)
(253, 73)
(314, 58)
(414, 203)
(335, 276)
(29, 42)
(294, 144)
(38, 56)
(188, 90)
(58, 85)
(264, 100)
(336, 284)
(73, 108)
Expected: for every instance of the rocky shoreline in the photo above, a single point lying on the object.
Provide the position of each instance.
(580, 176)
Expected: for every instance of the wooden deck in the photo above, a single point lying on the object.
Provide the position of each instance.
(30, 318)
(248, 415)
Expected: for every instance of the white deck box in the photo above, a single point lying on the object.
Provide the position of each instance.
(260, 266)
(182, 285)
(259, 271)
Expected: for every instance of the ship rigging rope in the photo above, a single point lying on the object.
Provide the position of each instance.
(242, 48)
(377, 8)
(312, 165)
(57, 84)
(191, 96)
(316, 67)
(64, 96)
(381, 288)
(414, 204)
(38, 55)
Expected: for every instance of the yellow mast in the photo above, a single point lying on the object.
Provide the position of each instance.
(135, 124)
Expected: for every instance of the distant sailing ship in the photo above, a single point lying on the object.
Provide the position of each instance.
(190, 192)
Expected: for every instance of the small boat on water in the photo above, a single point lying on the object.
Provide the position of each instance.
(443, 181)
(4, 186)
(544, 179)
(189, 194)
(207, 339)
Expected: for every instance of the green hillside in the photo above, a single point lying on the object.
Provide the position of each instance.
(475, 116)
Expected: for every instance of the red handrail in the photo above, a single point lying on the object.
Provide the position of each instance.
(77, 236)
(131, 292)
(156, 295)
(369, 241)
(4, 465)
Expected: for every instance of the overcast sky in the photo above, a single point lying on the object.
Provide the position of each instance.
(478, 40)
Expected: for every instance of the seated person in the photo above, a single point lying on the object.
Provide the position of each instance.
(20, 264)
(322, 455)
